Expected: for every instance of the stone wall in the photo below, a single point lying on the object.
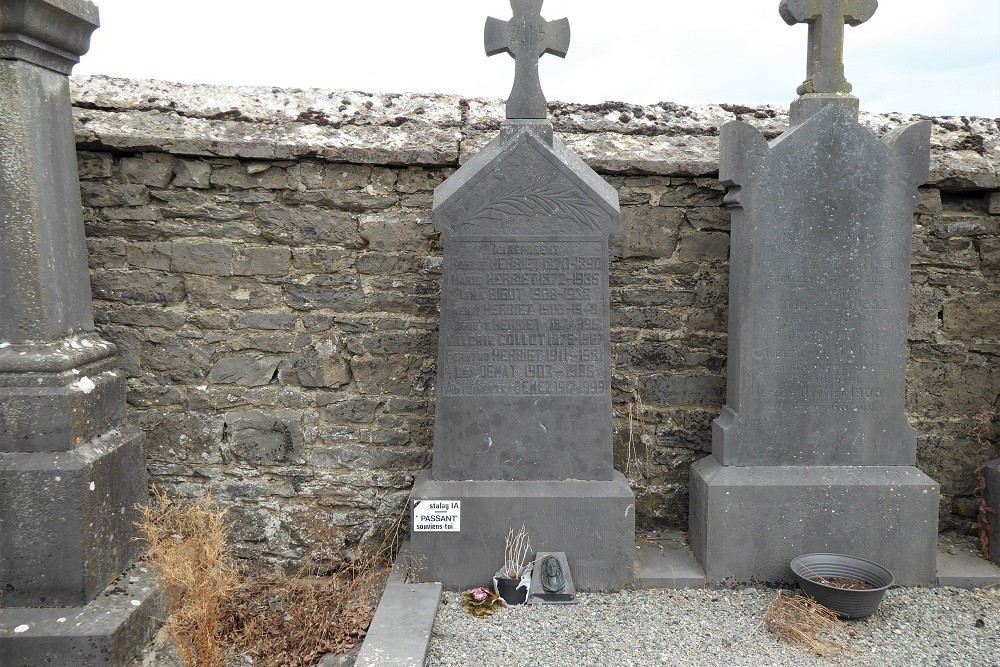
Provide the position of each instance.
(265, 261)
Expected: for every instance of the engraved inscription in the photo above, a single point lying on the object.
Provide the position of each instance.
(525, 319)
(823, 336)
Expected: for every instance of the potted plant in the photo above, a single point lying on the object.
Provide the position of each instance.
(853, 587)
(514, 577)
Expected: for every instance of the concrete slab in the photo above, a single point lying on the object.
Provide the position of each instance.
(666, 562)
(963, 568)
(400, 632)
(107, 631)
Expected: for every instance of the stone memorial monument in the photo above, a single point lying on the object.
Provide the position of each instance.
(813, 451)
(523, 419)
(71, 467)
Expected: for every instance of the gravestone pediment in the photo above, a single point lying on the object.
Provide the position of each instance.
(520, 185)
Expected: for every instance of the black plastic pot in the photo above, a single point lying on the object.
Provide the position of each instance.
(811, 569)
(511, 594)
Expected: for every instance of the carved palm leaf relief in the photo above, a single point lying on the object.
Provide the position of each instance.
(533, 196)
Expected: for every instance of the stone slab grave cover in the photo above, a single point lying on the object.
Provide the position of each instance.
(71, 468)
(523, 416)
(813, 451)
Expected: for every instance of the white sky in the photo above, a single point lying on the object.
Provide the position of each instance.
(936, 57)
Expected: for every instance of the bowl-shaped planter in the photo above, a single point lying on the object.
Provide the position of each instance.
(823, 577)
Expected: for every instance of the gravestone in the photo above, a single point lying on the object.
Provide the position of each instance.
(71, 467)
(813, 451)
(522, 430)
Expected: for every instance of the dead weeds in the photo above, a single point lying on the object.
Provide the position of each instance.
(188, 554)
(801, 620)
(218, 611)
(292, 620)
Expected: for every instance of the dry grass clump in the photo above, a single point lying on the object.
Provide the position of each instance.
(801, 620)
(217, 611)
(292, 620)
(188, 553)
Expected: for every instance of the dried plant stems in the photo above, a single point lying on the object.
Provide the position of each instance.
(188, 554)
(979, 435)
(801, 620)
(515, 553)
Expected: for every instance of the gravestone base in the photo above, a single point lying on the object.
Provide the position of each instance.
(747, 523)
(110, 630)
(592, 521)
(67, 522)
(992, 497)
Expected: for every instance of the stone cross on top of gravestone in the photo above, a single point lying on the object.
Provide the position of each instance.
(527, 37)
(826, 19)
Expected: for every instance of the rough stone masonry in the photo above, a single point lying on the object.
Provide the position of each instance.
(265, 262)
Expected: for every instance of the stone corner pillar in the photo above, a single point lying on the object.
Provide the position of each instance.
(71, 467)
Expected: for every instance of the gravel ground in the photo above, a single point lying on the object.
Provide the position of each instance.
(915, 627)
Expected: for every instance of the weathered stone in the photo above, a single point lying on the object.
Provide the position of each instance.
(331, 292)
(149, 255)
(238, 293)
(394, 232)
(971, 314)
(245, 370)
(138, 287)
(206, 259)
(154, 170)
(262, 261)
(94, 165)
(647, 232)
(322, 366)
(814, 430)
(245, 176)
(192, 174)
(993, 203)
(265, 437)
(321, 259)
(118, 194)
(307, 226)
(679, 303)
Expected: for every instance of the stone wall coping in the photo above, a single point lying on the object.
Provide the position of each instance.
(270, 123)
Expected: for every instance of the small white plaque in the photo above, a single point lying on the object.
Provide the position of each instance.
(441, 516)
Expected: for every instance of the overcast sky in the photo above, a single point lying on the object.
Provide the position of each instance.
(920, 56)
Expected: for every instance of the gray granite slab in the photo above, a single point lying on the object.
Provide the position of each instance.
(667, 562)
(819, 293)
(108, 630)
(966, 570)
(524, 379)
(400, 632)
(748, 522)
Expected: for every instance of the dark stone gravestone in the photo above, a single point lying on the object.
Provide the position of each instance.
(71, 467)
(991, 471)
(813, 451)
(523, 419)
